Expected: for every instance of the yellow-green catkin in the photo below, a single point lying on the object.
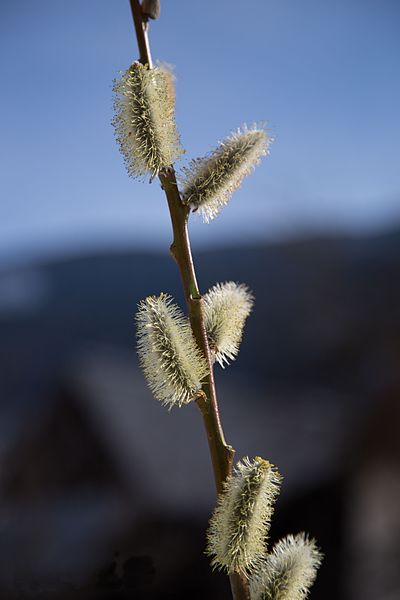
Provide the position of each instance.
(226, 308)
(172, 362)
(210, 181)
(289, 570)
(144, 119)
(239, 526)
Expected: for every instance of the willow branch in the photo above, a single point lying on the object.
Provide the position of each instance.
(222, 454)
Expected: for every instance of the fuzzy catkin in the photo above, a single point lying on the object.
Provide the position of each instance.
(289, 571)
(226, 308)
(173, 364)
(144, 119)
(240, 523)
(210, 181)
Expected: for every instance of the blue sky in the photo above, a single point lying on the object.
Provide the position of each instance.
(323, 75)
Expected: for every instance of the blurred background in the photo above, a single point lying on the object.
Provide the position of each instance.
(103, 493)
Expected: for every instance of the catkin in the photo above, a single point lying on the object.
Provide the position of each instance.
(172, 362)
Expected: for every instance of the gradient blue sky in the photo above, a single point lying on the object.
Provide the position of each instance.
(324, 76)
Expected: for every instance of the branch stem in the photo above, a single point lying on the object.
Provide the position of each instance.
(141, 33)
(221, 454)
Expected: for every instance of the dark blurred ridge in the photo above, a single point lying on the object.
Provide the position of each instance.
(98, 493)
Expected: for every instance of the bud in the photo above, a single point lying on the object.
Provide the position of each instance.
(226, 308)
(240, 523)
(171, 360)
(210, 181)
(289, 571)
(151, 9)
(144, 119)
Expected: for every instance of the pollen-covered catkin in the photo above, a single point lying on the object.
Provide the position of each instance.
(144, 119)
(240, 523)
(289, 571)
(210, 181)
(226, 308)
(173, 364)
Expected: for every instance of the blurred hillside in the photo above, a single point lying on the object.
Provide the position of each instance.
(325, 309)
(92, 465)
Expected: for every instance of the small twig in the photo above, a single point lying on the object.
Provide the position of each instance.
(141, 30)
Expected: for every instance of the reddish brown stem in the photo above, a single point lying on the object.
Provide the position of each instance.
(221, 453)
(141, 33)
